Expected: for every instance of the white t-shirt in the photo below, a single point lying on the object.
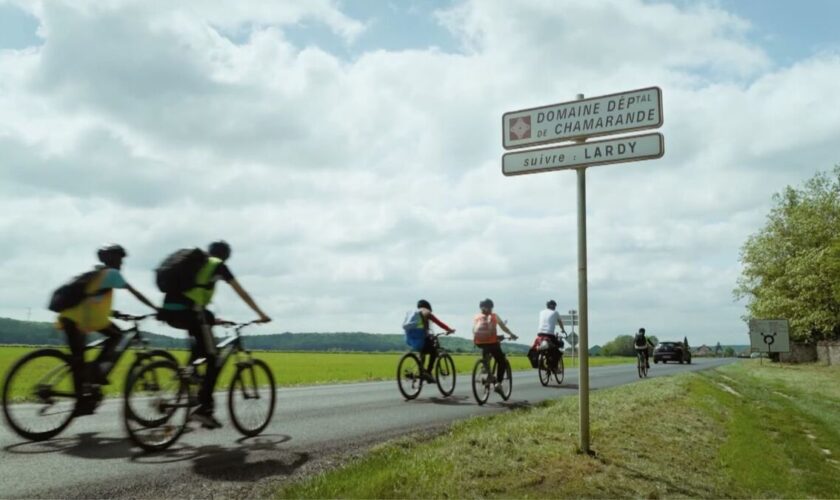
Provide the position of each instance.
(548, 321)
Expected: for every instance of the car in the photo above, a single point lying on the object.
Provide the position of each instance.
(671, 351)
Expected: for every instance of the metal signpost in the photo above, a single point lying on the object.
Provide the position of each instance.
(578, 121)
(571, 320)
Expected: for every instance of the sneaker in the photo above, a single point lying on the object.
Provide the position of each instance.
(498, 388)
(85, 405)
(205, 418)
(427, 377)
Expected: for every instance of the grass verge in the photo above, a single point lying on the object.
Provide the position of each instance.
(743, 431)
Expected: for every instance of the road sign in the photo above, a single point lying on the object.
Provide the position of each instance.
(633, 148)
(572, 338)
(597, 116)
(769, 335)
(569, 320)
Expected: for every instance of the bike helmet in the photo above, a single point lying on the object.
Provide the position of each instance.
(111, 254)
(424, 304)
(641, 330)
(486, 304)
(219, 249)
(551, 304)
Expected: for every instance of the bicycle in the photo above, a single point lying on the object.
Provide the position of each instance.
(160, 396)
(641, 363)
(39, 396)
(546, 368)
(410, 372)
(484, 378)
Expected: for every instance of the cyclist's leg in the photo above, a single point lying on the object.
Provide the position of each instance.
(107, 356)
(205, 347)
(499, 356)
(76, 343)
(429, 349)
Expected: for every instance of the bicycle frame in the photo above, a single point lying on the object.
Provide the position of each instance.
(130, 337)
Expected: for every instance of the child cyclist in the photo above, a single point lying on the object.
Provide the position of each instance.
(418, 335)
(485, 336)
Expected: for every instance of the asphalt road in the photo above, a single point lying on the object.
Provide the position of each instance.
(92, 458)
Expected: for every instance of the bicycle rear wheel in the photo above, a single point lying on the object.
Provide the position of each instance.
(543, 370)
(39, 395)
(252, 397)
(409, 376)
(156, 406)
(640, 366)
(445, 374)
(480, 382)
(560, 372)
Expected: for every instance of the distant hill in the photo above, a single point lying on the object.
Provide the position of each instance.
(38, 333)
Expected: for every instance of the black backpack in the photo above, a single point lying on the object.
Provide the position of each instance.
(176, 274)
(73, 292)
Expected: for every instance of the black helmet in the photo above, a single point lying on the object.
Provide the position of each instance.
(424, 304)
(219, 249)
(486, 304)
(641, 330)
(111, 254)
(551, 304)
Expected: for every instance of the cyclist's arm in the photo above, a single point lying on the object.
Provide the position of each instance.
(504, 328)
(440, 323)
(560, 322)
(142, 298)
(248, 300)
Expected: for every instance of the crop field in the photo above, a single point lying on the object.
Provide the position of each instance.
(292, 368)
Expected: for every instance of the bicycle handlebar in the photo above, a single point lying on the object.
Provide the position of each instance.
(131, 317)
(236, 326)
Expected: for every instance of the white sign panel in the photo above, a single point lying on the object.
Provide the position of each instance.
(632, 148)
(769, 335)
(610, 114)
(569, 320)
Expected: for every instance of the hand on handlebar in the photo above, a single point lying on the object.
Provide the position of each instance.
(449, 332)
(263, 319)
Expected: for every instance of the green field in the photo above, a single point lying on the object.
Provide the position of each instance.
(300, 368)
(743, 431)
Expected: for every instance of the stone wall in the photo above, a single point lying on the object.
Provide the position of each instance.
(799, 353)
(828, 352)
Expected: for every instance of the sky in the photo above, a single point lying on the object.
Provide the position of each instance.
(350, 152)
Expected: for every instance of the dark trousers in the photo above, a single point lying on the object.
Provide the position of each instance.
(646, 352)
(76, 340)
(198, 325)
(430, 351)
(495, 350)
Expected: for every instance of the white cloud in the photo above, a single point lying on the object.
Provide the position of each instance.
(350, 188)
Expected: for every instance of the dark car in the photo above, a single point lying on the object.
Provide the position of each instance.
(671, 351)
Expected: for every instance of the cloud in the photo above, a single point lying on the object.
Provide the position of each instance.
(351, 188)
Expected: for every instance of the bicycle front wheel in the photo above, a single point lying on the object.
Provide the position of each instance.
(252, 397)
(543, 369)
(640, 366)
(39, 395)
(445, 374)
(480, 382)
(409, 376)
(507, 382)
(560, 372)
(156, 406)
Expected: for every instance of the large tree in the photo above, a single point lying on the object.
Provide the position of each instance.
(791, 267)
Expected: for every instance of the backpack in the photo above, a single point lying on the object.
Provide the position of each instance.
(73, 292)
(415, 332)
(177, 272)
(484, 329)
(640, 340)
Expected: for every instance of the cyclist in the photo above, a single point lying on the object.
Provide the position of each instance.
(641, 342)
(549, 320)
(424, 309)
(485, 336)
(188, 311)
(92, 314)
